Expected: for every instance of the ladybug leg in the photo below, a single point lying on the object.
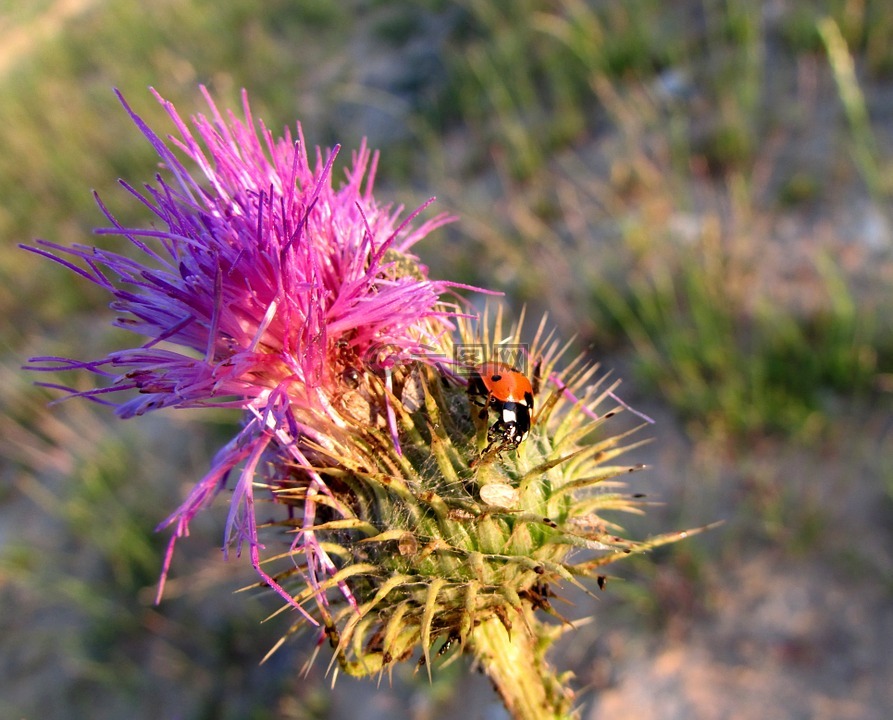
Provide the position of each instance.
(480, 415)
(537, 376)
(478, 401)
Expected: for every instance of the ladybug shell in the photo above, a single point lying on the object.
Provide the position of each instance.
(510, 394)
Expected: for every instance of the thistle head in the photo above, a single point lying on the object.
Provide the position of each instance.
(407, 515)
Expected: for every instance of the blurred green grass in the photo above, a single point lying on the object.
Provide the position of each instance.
(623, 165)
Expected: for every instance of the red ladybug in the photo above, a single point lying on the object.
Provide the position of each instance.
(508, 392)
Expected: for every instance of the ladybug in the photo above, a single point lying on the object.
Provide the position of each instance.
(509, 393)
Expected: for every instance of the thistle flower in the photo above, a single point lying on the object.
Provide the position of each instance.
(267, 287)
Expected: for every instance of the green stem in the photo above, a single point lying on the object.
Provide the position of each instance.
(516, 665)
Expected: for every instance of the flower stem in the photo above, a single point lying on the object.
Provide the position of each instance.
(514, 660)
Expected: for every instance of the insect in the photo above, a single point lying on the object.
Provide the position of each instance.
(508, 392)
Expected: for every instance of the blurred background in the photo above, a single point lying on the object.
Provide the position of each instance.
(698, 191)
